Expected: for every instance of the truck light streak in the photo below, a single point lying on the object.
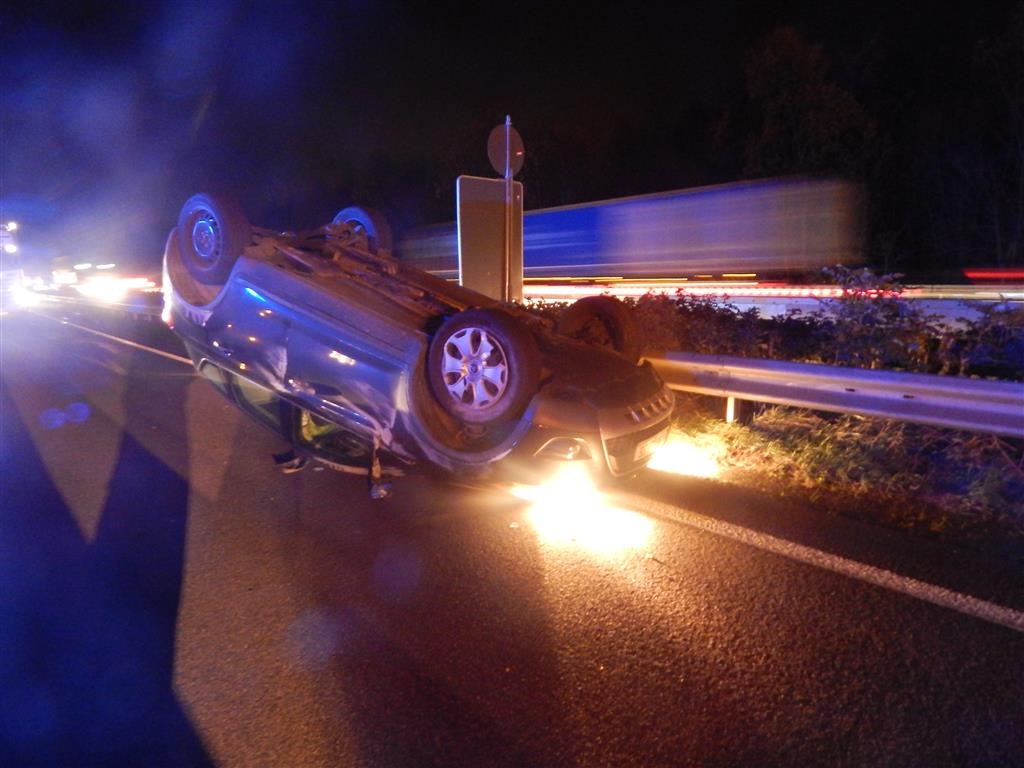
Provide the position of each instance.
(554, 292)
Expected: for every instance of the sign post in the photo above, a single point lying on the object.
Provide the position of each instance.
(482, 228)
(506, 279)
(490, 220)
(506, 152)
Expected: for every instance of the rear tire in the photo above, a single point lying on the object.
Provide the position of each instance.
(369, 223)
(603, 321)
(212, 233)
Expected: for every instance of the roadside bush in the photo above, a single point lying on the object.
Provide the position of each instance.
(991, 345)
(661, 326)
(698, 324)
(870, 326)
(873, 327)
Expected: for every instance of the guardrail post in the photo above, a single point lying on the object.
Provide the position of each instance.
(741, 411)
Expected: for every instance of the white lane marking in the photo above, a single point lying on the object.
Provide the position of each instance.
(894, 582)
(119, 340)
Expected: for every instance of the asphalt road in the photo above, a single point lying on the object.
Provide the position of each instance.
(167, 597)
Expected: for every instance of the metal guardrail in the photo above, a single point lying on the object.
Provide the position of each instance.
(976, 405)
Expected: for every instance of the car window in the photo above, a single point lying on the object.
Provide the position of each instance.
(259, 401)
(215, 376)
(330, 440)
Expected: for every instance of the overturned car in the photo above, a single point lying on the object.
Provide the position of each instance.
(369, 365)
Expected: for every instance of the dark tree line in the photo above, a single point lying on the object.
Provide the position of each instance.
(939, 147)
(927, 110)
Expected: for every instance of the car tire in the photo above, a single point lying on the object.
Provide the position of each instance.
(602, 321)
(483, 367)
(212, 233)
(368, 222)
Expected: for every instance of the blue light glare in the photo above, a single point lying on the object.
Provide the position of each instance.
(77, 413)
(255, 295)
(55, 418)
(52, 418)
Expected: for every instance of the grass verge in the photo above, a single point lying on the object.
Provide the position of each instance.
(937, 482)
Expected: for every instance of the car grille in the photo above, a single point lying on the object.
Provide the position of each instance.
(624, 430)
(621, 451)
(653, 408)
(619, 446)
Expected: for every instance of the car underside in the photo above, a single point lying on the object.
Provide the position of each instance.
(376, 366)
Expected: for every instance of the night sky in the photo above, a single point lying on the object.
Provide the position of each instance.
(114, 113)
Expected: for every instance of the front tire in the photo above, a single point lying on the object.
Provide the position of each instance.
(212, 233)
(483, 367)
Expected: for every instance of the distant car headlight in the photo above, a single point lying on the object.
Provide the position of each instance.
(565, 449)
(23, 297)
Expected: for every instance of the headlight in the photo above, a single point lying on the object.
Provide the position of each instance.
(565, 449)
(23, 297)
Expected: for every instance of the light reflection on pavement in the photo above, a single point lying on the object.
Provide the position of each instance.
(570, 511)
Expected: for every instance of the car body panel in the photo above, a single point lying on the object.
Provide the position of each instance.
(343, 334)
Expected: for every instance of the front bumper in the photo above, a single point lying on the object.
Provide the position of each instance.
(613, 440)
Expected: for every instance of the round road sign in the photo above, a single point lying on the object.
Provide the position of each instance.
(497, 149)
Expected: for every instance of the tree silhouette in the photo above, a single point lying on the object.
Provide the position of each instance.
(798, 120)
(999, 177)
